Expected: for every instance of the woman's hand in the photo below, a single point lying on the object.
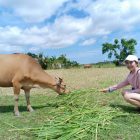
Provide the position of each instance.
(105, 90)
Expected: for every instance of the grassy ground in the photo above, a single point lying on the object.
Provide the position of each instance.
(84, 114)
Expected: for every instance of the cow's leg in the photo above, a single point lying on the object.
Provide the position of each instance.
(16, 88)
(27, 96)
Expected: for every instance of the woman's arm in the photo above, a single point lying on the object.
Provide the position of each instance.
(115, 87)
(121, 85)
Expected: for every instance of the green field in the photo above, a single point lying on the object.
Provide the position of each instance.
(85, 114)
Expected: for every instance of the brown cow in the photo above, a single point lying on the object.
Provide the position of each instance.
(23, 72)
(87, 66)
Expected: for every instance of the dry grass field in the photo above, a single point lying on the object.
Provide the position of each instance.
(92, 77)
(85, 114)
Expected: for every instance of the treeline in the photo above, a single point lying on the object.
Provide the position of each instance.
(53, 62)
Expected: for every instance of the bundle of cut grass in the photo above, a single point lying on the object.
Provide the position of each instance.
(75, 117)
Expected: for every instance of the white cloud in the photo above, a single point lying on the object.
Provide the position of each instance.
(33, 11)
(104, 17)
(58, 35)
(88, 42)
(108, 16)
(113, 15)
(11, 48)
(20, 37)
(43, 37)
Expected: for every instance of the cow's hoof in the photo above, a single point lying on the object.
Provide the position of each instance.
(17, 114)
(30, 109)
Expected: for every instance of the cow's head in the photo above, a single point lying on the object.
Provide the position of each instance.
(61, 86)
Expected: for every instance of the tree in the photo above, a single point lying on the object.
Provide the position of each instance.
(32, 55)
(53, 62)
(42, 60)
(119, 51)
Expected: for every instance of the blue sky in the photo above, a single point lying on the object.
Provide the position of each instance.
(77, 28)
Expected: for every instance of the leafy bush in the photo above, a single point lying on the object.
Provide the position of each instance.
(53, 62)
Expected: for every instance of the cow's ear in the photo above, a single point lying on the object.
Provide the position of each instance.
(60, 80)
(56, 77)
